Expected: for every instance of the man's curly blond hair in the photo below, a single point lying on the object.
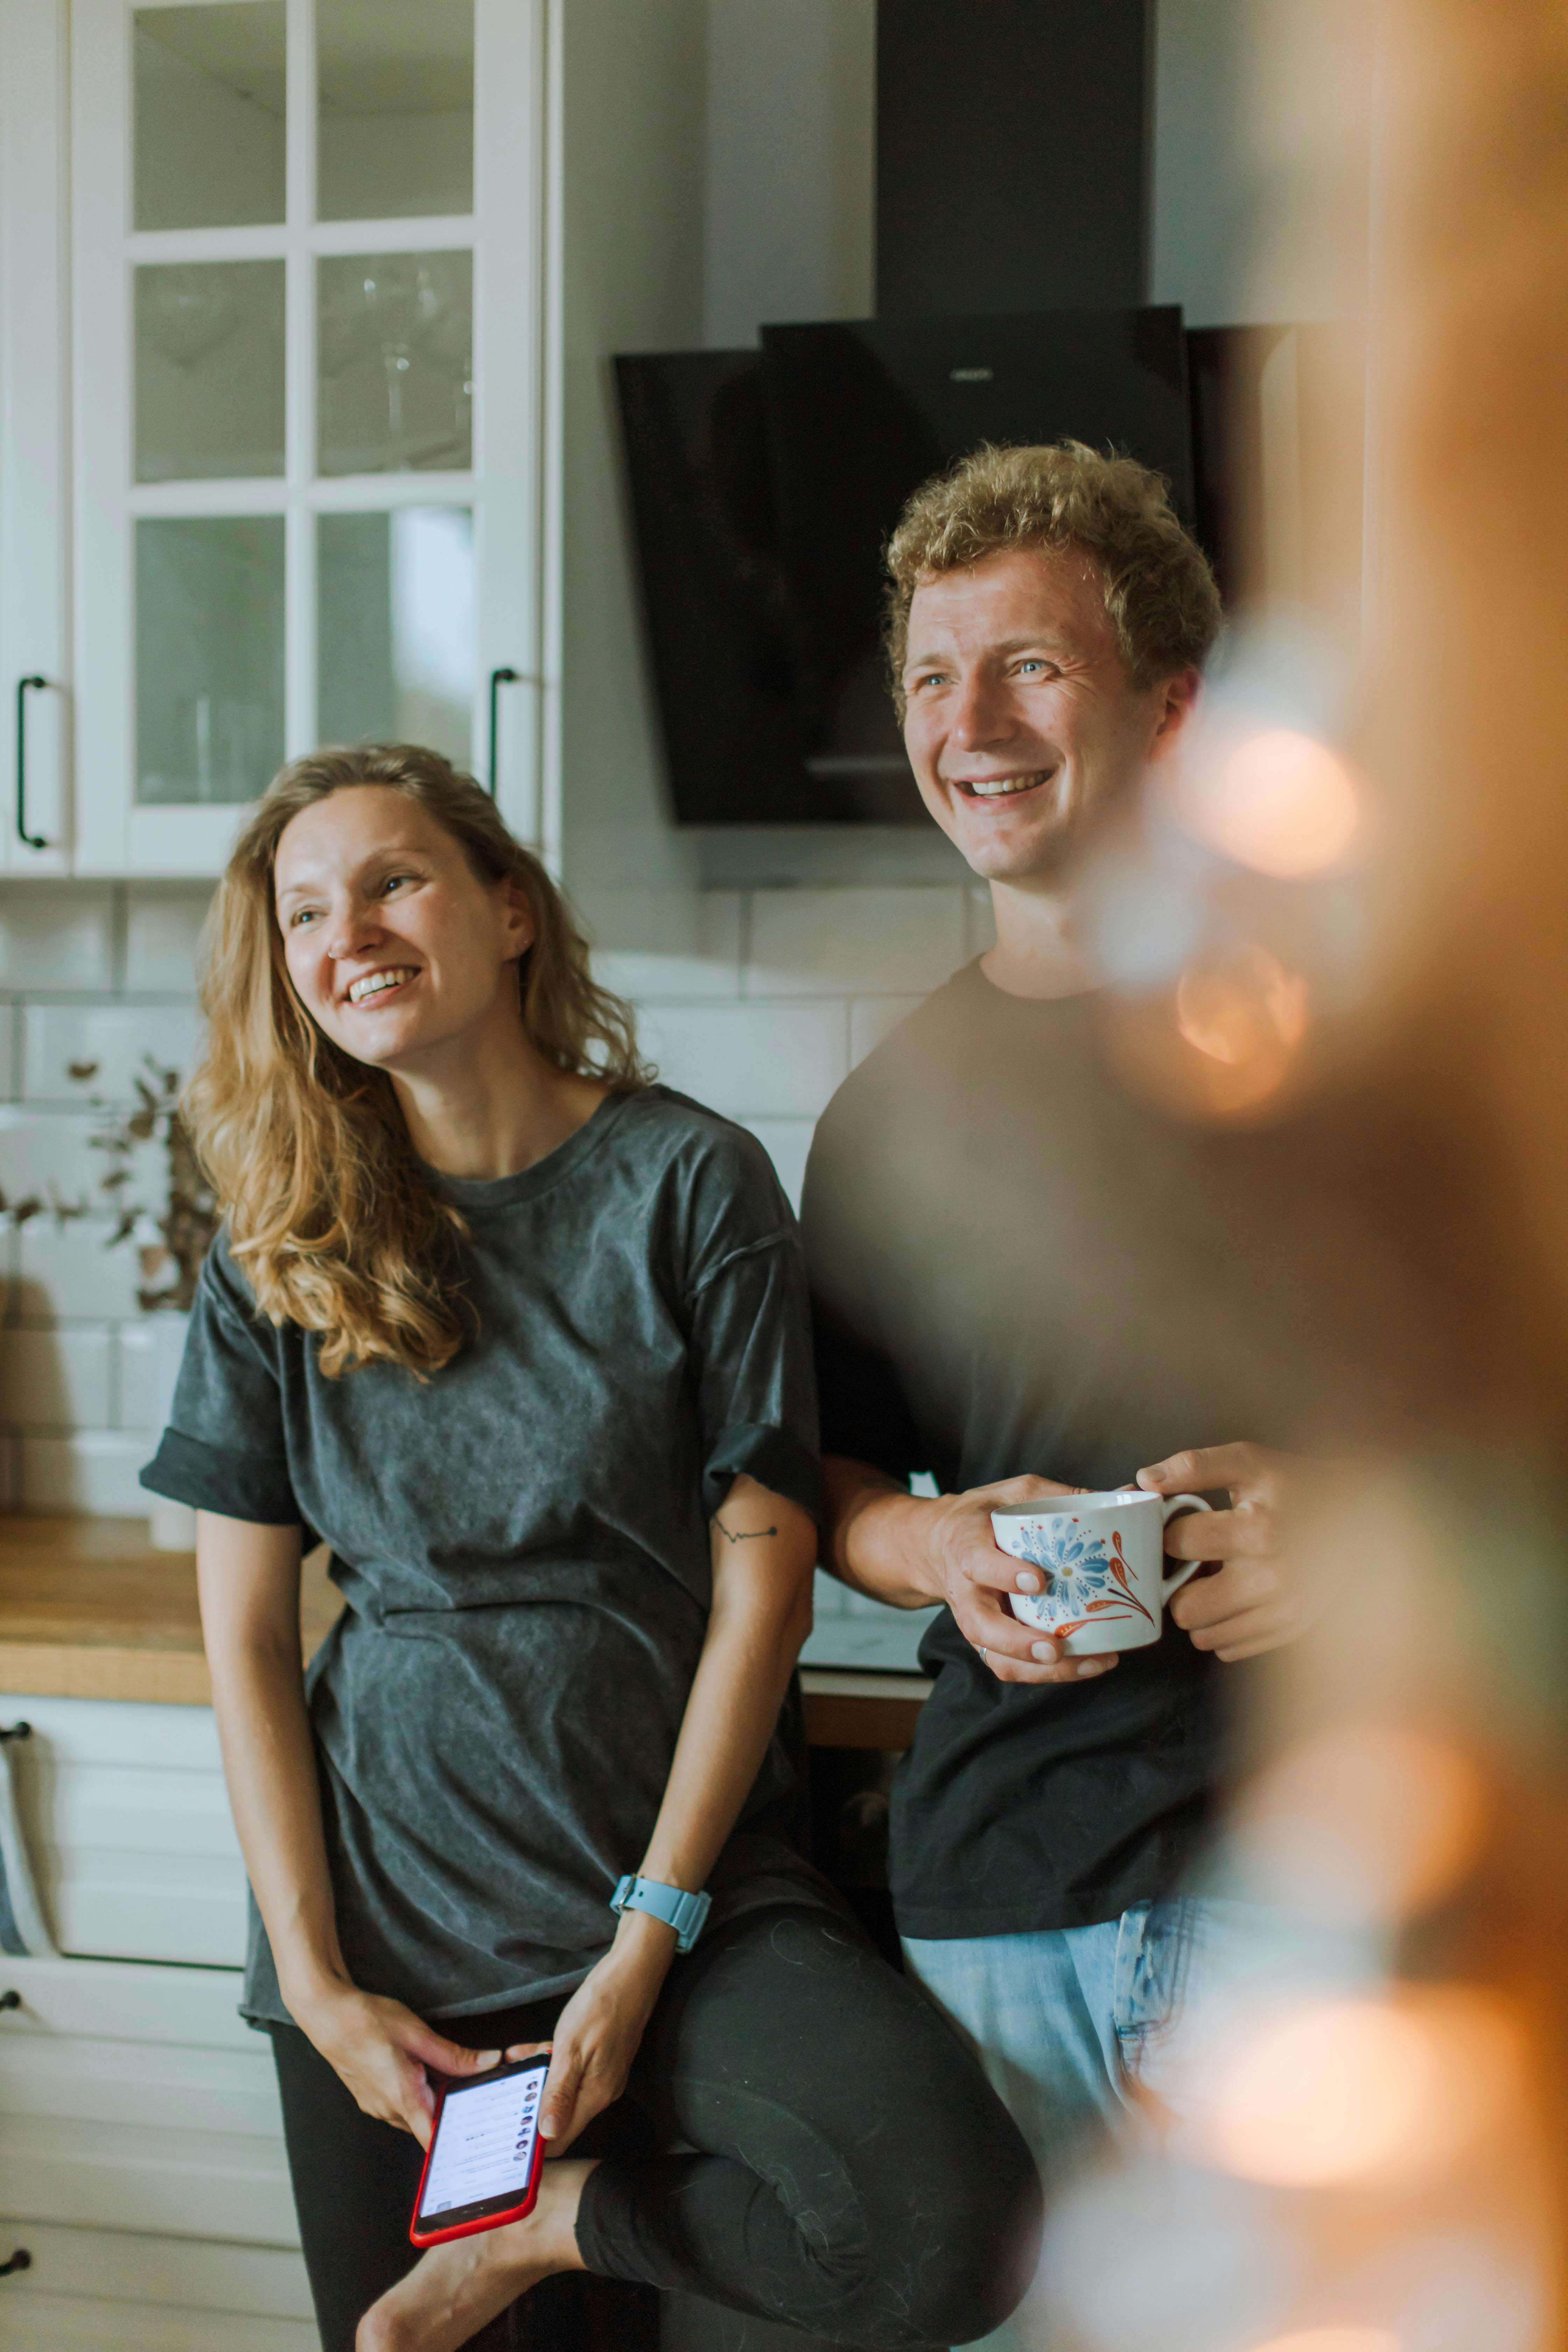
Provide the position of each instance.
(1160, 592)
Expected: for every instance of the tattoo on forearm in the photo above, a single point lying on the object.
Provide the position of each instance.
(743, 1534)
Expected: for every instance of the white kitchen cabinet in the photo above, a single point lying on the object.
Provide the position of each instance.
(124, 1808)
(248, 500)
(304, 307)
(142, 2164)
(35, 445)
(306, 314)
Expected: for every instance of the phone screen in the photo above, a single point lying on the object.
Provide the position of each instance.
(485, 2139)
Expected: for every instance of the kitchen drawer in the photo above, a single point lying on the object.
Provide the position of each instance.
(131, 2098)
(126, 2001)
(175, 2182)
(57, 2322)
(129, 1824)
(189, 2291)
(103, 2082)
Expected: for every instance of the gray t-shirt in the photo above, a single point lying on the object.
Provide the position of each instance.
(522, 1541)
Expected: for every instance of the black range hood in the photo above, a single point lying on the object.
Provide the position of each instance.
(765, 486)
(1012, 234)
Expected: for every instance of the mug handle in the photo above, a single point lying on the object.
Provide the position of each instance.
(1173, 1581)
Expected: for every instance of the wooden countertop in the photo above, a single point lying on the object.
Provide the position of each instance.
(88, 1609)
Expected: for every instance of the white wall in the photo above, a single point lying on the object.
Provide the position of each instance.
(1248, 96)
(789, 139)
(629, 197)
(716, 172)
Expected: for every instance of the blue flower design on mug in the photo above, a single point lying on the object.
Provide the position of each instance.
(1084, 1581)
(1076, 1564)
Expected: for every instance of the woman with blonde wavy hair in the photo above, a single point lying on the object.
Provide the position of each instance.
(524, 1337)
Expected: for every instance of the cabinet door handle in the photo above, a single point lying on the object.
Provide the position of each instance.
(20, 2261)
(36, 686)
(498, 678)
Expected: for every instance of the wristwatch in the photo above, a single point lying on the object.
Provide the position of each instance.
(684, 1912)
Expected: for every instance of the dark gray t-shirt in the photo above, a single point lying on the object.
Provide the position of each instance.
(522, 1541)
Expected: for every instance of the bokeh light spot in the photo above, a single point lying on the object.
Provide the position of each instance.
(1279, 802)
(1334, 2339)
(1337, 2091)
(1367, 1821)
(1244, 1012)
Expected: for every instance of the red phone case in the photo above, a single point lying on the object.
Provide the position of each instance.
(418, 2237)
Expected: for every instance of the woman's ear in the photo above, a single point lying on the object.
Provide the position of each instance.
(521, 928)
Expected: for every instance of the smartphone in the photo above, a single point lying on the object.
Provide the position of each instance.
(481, 2168)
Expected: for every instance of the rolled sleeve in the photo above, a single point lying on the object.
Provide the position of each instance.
(217, 1478)
(225, 1448)
(751, 1348)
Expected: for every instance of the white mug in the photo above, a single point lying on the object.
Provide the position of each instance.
(1102, 1559)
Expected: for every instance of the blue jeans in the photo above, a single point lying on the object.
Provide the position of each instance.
(1070, 2023)
(1061, 2019)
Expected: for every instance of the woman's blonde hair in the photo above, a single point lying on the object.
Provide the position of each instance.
(334, 1223)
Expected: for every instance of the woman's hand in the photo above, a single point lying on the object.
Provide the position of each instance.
(601, 2029)
(380, 2050)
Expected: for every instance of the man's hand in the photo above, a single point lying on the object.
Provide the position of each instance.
(1253, 1601)
(965, 1565)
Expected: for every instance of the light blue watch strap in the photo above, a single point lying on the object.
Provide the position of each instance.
(684, 1912)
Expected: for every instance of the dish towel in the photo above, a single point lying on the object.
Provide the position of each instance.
(22, 1928)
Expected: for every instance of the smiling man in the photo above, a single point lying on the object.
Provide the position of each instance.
(1017, 1268)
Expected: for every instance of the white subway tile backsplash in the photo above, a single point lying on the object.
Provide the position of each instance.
(872, 1018)
(751, 1061)
(50, 1155)
(163, 924)
(94, 1471)
(135, 1390)
(47, 1154)
(70, 1270)
(54, 1379)
(709, 966)
(112, 1040)
(57, 935)
(846, 942)
(786, 1142)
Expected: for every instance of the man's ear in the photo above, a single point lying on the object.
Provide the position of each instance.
(1175, 700)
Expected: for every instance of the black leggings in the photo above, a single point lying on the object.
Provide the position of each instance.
(852, 2173)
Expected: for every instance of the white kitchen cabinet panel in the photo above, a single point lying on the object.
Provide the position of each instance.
(148, 1907)
(125, 2001)
(35, 436)
(47, 2323)
(178, 2182)
(191, 2274)
(203, 2275)
(126, 1814)
(82, 2079)
(308, 309)
(133, 2098)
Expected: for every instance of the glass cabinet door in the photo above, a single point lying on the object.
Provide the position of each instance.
(307, 313)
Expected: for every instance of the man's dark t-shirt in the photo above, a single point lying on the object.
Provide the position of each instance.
(1017, 1267)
